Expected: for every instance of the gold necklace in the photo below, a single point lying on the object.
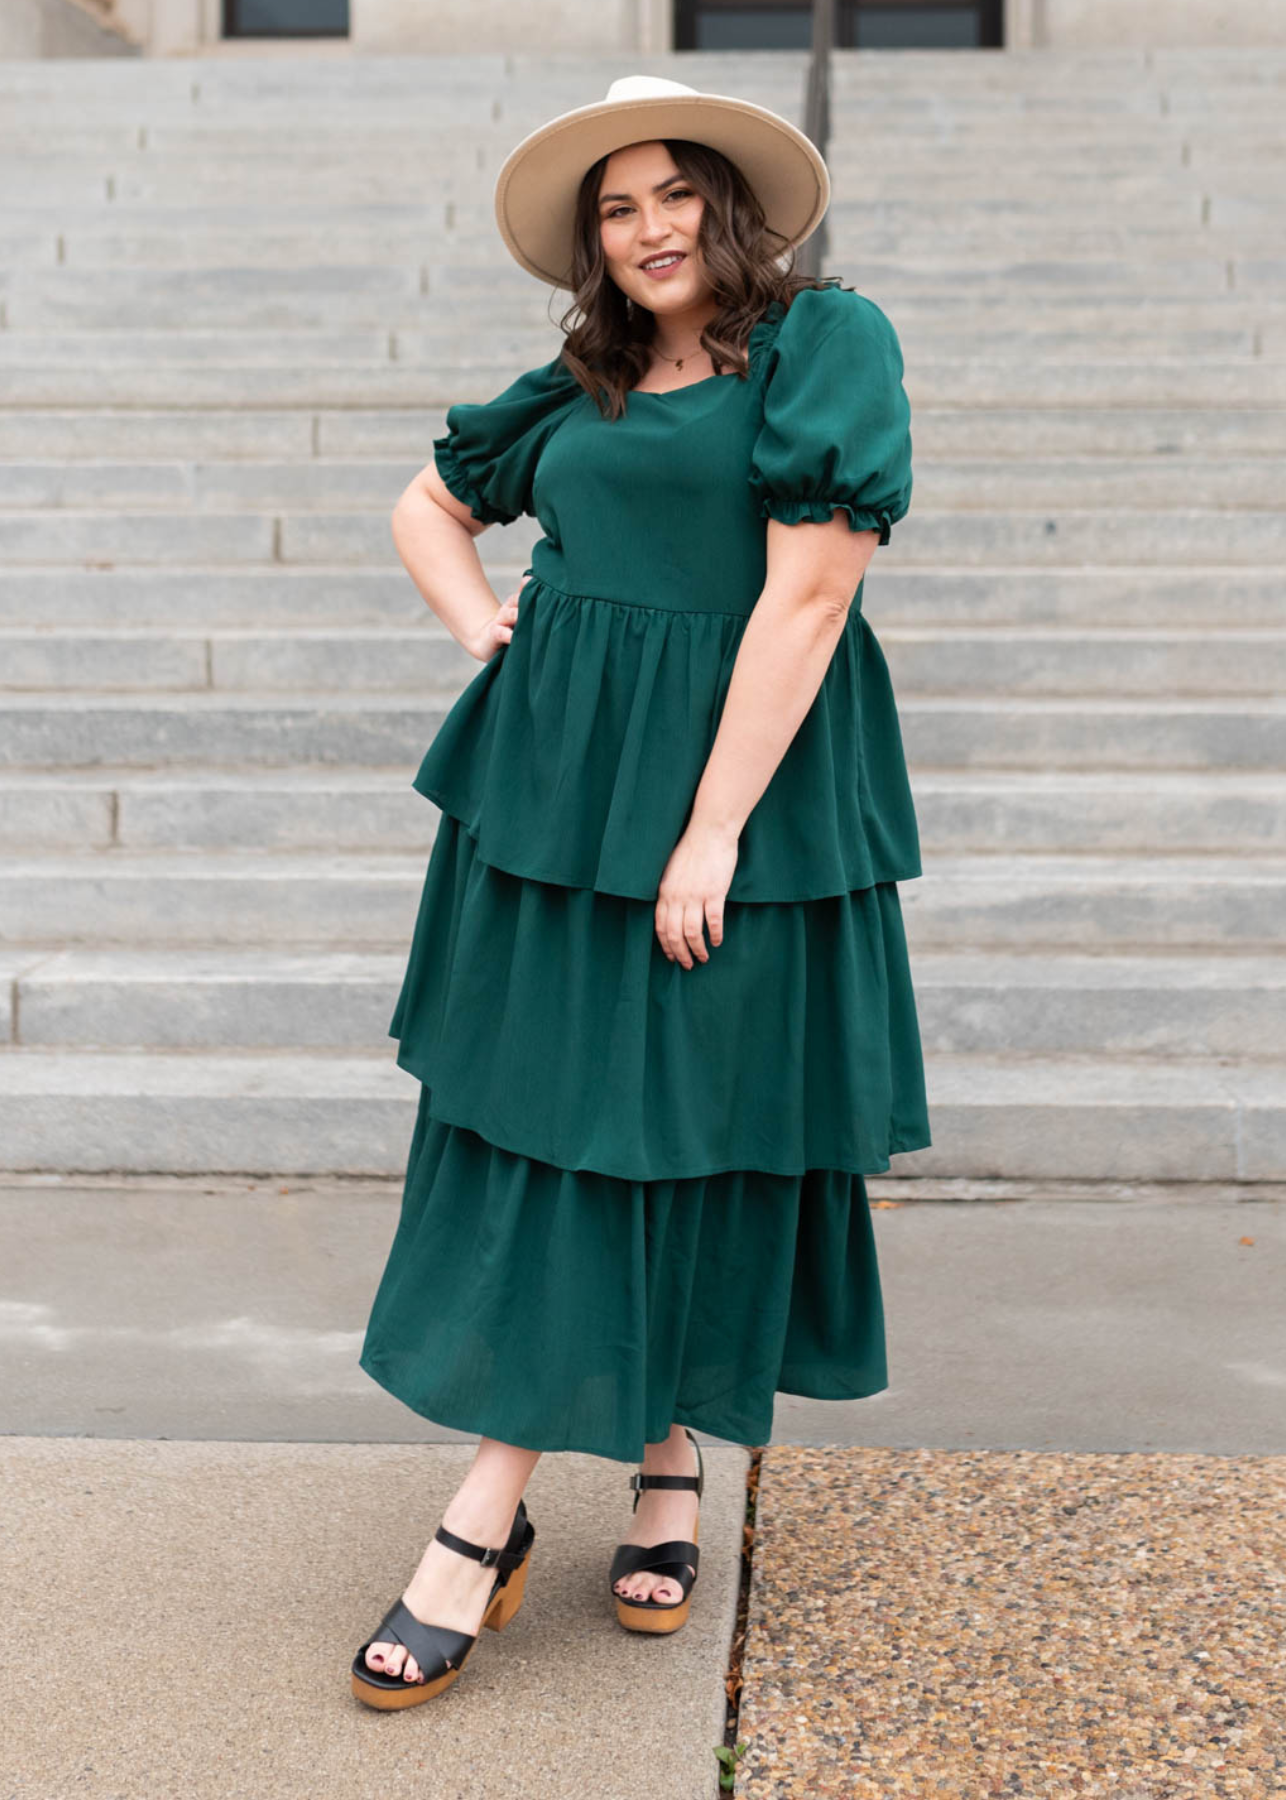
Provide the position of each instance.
(680, 360)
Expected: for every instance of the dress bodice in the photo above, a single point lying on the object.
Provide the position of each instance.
(574, 754)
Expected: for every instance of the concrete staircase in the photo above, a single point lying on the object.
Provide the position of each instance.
(238, 296)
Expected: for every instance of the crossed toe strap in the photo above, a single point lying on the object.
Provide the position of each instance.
(671, 1559)
(435, 1647)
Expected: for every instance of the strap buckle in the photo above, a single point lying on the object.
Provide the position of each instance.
(491, 1556)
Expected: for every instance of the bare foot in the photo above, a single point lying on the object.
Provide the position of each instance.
(663, 1513)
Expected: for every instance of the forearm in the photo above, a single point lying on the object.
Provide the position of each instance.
(441, 558)
(784, 653)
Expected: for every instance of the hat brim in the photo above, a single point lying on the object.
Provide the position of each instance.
(535, 195)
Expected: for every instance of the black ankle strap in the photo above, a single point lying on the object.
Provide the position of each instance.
(493, 1558)
(639, 1482)
(489, 1558)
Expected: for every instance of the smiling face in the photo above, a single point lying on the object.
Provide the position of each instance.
(646, 211)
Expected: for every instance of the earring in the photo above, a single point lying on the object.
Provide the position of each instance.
(629, 307)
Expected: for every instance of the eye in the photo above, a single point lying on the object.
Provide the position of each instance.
(686, 192)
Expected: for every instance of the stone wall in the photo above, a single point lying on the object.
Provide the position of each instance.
(30, 28)
(187, 27)
(1155, 24)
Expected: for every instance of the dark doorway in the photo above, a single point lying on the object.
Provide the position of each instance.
(285, 18)
(859, 25)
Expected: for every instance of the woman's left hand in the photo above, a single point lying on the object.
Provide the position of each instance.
(693, 887)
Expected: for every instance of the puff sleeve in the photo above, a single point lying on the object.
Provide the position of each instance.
(488, 456)
(836, 423)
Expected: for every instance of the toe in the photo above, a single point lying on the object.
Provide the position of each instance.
(375, 1654)
(412, 1670)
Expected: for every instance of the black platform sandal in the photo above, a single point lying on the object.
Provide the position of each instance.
(441, 1651)
(671, 1559)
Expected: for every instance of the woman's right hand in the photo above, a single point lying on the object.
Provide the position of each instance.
(499, 629)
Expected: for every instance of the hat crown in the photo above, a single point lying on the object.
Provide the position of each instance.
(646, 87)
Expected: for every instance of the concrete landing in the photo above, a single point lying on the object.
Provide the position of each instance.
(1064, 1317)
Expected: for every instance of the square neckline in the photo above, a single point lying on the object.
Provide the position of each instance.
(772, 313)
(665, 393)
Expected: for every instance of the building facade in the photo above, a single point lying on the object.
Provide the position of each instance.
(188, 27)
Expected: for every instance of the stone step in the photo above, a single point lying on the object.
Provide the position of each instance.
(399, 294)
(515, 314)
(408, 294)
(1173, 384)
(375, 809)
(501, 309)
(1058, 811)
(128, 659)
(1174, 198)
(103, 240)
(929, 536)
(191, 598)
(1052, 732)
(936, 101)
(1138, 255)
(139, 729)
(1081, 598)
(359, 169)
(301, 900)
(1035, 660)
(1101, 1118)
(1075, 661)
(992, 186)
(1100, 1006)
(204, 999)
(998, 1004)
(367, 900)
(860, 155)
(337, 483)
(1147, 441)
(526, 346)
(1010, 270)
(1097, 902)
(362, 729)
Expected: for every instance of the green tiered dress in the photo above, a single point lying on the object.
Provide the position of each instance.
(635, 1191)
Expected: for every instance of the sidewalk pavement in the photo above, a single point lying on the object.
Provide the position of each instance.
(1049, 1562)
(181, 1618)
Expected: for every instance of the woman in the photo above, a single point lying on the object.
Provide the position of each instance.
(657, 995)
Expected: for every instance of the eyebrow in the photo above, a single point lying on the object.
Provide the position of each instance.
(668, 182)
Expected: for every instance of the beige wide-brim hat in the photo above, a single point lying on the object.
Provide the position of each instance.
(538, 182)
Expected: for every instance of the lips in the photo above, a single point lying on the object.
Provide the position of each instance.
(653, 261)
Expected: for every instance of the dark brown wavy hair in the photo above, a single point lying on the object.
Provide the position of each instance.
(607, 341)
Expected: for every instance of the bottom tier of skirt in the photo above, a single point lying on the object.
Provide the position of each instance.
(565, 1309)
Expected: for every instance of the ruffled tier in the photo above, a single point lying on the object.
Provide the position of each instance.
(549, 1020)
(565, 1310)
(574, 754)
